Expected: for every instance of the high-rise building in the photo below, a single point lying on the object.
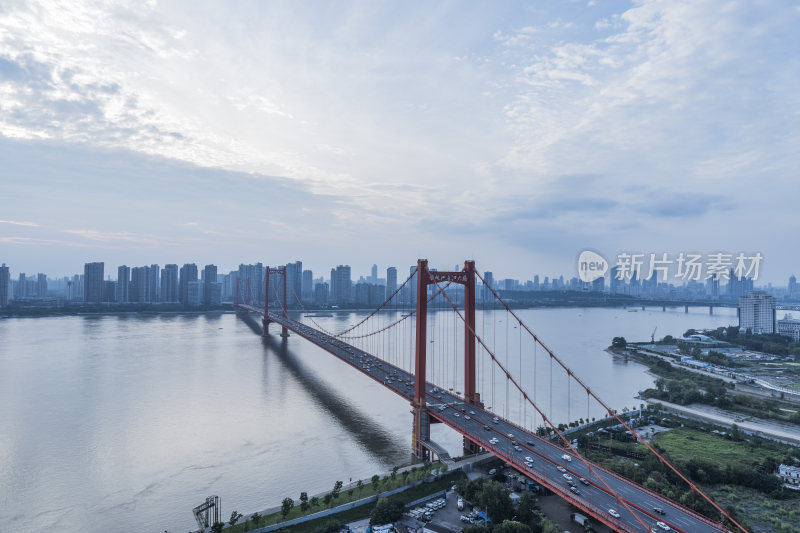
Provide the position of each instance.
(5, 285)
(41, 285)
(254, 274)
(321, 294)
(188, 274)
(794, 289)
(22, 287)
(757, 313)
(489, 279)
(140, 285)
(194, 293)
(153, 283)
(308, 286)
(789, 327)
(209, 278)
(391, 281)
(341, 285)
(93, 282)
(373, 276)
(294, 283)
(123, 284)
(412, 286)
(169, 283)
(738, 285)
(109, 291)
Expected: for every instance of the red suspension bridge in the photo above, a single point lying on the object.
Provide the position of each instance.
(491, 380)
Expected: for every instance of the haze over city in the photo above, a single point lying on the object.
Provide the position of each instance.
(514, 134)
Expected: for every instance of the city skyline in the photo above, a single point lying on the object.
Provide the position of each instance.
(511, 134)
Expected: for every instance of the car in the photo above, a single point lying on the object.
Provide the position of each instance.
(529, 458)
(435, 389)
(571, 483)
(658, 510)
(561, 469)
(456, 414)
(467, 417)
(530, 443)
(473, 413)
(567, 477)
(496, 420)
(518, 448)
(663, 526)
(493, 471)
(584, 481)
(529, 464)
(575, 491)
(614, 513)
(566, 457)
(486, 428)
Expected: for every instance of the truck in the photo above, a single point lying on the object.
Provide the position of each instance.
(579, 519)
(460, 504)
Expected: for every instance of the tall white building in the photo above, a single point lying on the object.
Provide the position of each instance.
(789, 327)
(757, 313)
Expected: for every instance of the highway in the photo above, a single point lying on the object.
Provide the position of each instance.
(535, 457)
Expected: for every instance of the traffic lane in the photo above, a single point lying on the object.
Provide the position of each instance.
(374, 366)
(628, 492)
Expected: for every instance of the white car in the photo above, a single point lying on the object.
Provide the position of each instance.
(567, 477)
(561, 469)
(663, 526)
(614, 513)
(529, 459)
(510, 435)
(496, 420)
(467, 417)
(566, 457)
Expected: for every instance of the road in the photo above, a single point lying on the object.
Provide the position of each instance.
(534, 456)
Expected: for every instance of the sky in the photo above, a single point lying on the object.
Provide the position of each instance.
(514, 133)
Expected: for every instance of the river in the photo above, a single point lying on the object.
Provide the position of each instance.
(126, 422)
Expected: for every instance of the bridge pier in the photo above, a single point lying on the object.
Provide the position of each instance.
(664, 308)
(685, 308)
(710, 309)
(421, 431)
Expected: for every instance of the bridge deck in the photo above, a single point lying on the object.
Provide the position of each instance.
(535, 457)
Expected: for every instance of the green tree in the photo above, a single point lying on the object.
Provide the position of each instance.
(375, 480)
(477, 528)
(512, 527)
(619, 342)
(394, 472)
(386, 511)
(314, 502)
(327, 499)
(235, 516)
(303, 502)
(256, 518)
(526, 508)
(217, 527)
(337, 488)
(286, 506)
(494, 497)
(358, 485)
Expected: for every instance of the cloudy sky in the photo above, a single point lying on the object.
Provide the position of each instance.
(516, 134)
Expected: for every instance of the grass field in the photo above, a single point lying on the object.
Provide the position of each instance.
(762, 513)
(684, 444)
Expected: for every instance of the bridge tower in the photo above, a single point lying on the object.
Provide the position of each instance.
(466, 277)
(266, 321)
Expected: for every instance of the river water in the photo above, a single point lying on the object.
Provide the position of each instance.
(126, 422)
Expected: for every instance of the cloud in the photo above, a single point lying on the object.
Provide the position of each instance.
(348, 121)
(19, 223)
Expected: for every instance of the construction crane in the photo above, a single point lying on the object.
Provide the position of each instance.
(653, 335)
